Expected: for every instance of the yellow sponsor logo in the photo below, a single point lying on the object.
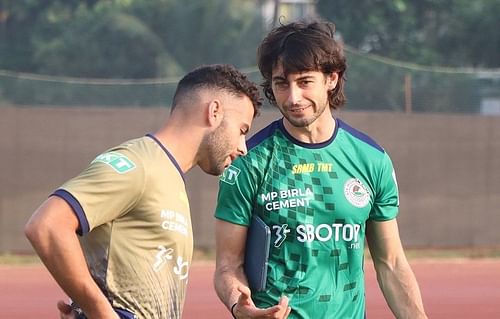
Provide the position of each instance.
(311, 167)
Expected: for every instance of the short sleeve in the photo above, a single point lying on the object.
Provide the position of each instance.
(108, 188)
(236, 194)
(386, 203)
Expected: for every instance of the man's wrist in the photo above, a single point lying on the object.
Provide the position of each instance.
(232, 310)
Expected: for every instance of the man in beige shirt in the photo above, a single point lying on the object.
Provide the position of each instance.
(117, 238)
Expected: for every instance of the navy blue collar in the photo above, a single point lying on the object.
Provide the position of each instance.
(308, 145)
(170, 156)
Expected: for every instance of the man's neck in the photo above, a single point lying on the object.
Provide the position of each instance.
(319, 131)
(182, 146)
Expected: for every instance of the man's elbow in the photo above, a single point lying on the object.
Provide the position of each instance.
(227, 270)
(32, 231)
(36, 231)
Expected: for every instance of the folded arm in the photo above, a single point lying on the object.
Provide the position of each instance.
(52, 233)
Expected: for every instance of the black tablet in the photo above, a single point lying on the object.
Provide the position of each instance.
(257, 253)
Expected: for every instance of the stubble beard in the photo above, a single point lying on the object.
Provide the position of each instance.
(304, 121)
(216, 149)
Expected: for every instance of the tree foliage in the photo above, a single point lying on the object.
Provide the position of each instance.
(152, 38)
(164, 38)
(126, 38)
(456, 33)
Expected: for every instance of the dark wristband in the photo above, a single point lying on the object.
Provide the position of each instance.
(232, 309)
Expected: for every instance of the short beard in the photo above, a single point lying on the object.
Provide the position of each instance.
(216, 149)
(305, 121)
(300, 122)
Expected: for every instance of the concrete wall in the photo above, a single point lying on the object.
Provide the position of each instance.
(448, 168)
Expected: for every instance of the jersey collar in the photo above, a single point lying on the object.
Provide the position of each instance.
(170, 156)
(281, 126)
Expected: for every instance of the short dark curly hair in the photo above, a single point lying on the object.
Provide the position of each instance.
(219, 76)
(306, 45)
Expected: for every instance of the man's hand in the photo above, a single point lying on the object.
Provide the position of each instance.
(65, 310)
(245, 308)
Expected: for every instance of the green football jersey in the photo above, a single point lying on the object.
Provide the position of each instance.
(316, 199)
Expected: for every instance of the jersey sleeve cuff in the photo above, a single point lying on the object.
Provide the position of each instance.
(232, 221)
(83, 227)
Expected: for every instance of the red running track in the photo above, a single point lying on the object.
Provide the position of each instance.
(454, 289)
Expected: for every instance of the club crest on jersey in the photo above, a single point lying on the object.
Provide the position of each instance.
(119, 162)
(230, 175)
(356, 193)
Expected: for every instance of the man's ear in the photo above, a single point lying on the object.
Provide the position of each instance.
(332, 80)
(215, 113)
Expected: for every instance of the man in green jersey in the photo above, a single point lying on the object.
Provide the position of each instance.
(320, 185)
(131, 209)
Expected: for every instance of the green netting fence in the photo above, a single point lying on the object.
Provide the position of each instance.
(377, 83)
(373, 83)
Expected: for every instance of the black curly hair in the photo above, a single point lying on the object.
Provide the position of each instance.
(306, 45)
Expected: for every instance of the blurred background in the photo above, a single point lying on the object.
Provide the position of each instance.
(423, 79)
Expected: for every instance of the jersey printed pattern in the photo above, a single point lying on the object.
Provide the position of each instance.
(316, 199)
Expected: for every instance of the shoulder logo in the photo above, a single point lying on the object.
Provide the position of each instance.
(356, 193)
(230, 175)
(119, 162)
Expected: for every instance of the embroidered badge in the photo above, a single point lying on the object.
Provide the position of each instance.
(356, 193)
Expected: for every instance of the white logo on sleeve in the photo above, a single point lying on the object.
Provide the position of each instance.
(119, 162)
(230, 175)
(356, 193)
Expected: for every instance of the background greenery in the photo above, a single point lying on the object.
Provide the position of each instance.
(163, 39)
(125, 38)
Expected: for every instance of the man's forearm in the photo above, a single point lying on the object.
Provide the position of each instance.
(401, 291)
(61, 253)
(226, 283)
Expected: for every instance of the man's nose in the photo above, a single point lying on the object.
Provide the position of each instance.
(242, 146)
(294, 95)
